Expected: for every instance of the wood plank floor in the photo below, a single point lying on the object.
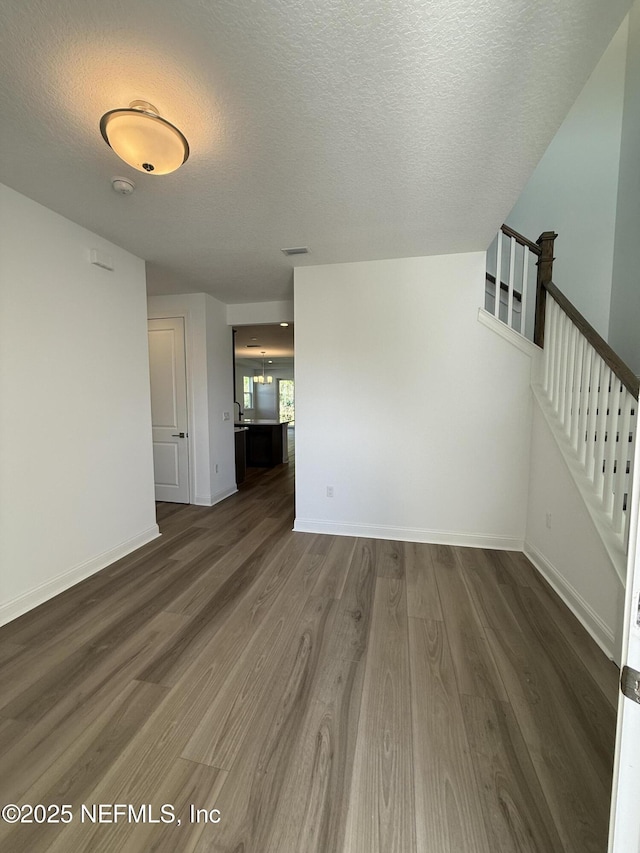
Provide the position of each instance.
(325, 694)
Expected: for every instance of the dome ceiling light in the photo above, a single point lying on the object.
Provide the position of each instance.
(143, 139)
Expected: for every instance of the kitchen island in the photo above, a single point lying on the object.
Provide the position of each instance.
(267, 443)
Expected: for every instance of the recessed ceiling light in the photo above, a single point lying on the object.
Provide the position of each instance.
(284, 324)
(298, 250)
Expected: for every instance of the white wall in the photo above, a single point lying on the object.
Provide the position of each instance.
(209, 389)
(257, 313)
(570, 554)
(220, 388)
(625, 296)
(574, 189)
(267, 399)
(416, 414)
(76, 469)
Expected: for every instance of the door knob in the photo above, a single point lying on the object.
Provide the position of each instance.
(177, 435)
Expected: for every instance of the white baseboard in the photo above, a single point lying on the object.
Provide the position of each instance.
(408, 534)
(212, 500)
(586, 615)
(28, 600)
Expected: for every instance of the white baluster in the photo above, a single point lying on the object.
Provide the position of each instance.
(596, 372)
(585, 394)
(613, 424)
(631, 475)
(620, 477)
(570, 369)
(512, 270)
(554, 347)
(603, 405)
(523, 304)
(496, 309)
(576, 400)
(561, 376)
(549, 345)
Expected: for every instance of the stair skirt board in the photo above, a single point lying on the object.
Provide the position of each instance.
(409, 534)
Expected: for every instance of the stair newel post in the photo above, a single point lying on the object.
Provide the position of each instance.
(545, 270)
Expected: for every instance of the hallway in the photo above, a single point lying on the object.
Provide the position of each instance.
(324, 693)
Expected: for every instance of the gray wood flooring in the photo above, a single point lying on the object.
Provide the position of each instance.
(325, 694)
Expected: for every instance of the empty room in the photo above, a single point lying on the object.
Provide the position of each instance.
(319, 376)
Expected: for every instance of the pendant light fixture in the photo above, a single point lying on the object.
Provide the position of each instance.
(144, 139)
(262, 379)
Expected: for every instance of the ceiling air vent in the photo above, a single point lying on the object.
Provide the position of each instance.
(298, 250)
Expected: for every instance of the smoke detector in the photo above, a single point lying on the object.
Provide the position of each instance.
(124, 186)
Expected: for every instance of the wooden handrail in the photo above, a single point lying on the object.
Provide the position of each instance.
(543, 248)
(520, 238)
(612, 359)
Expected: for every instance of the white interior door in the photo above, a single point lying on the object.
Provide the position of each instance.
(167, 365)
(624, 833)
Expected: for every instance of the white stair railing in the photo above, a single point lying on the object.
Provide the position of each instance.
(593, 398)
(588, 393)
(508, 296)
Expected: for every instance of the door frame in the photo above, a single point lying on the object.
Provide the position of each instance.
(624, 823)
(186, 318)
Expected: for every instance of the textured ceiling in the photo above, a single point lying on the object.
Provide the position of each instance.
(362, 128)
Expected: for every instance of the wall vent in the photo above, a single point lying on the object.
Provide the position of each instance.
(298, 250)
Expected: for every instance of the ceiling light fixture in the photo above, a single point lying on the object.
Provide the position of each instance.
(261, 379)
(144, 139)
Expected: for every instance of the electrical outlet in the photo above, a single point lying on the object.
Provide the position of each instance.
(329, 491)
(226, 416)
(548, 520)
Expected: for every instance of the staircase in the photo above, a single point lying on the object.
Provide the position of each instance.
(588, 395)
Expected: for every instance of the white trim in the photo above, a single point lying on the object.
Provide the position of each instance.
(515, 338)
(602, 633)
(585, 488)
(408, 534)
(212, 500)
(28, 600)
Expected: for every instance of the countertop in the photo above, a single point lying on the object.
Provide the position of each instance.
(260, 422)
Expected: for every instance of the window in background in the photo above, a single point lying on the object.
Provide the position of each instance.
(286, 398)
(247, 388)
